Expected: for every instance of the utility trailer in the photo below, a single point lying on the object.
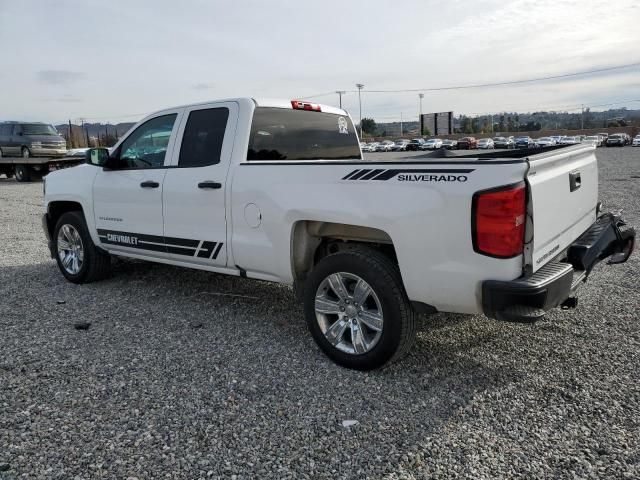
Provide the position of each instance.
(34, 168)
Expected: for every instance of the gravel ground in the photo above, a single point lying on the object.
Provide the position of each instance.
(186, 374)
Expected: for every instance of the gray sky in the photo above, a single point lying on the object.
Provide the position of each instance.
(106, 59)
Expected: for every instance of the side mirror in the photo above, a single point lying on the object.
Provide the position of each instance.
(19, 134)
(97, 156)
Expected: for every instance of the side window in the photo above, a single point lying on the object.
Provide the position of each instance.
(5, 130)
(203, 136)
(17, 129)
(147, 145)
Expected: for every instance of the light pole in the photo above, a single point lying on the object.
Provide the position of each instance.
(340, 92)
(360, 86)
(421, 96)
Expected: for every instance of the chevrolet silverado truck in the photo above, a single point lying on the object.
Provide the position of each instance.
(279, 191)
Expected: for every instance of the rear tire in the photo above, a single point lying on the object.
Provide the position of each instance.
(327, 313)
(93, 264)
(22, 172)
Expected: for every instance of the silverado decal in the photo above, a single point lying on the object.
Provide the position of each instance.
(411, 175)
(178, 246)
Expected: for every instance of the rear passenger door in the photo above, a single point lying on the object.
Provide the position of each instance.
(195, 189)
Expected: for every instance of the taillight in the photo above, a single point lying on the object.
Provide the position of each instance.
(498, 221)
(300, 105)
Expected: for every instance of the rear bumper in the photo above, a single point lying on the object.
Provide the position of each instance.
(528, 298)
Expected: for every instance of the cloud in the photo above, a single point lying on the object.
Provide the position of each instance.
(203, 86)
(59, 77)
(64, 99)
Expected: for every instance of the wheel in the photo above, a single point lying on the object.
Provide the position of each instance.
(357, 310)
(23, 174)
(77, 256)
(25, 152)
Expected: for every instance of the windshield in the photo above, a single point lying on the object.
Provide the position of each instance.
(499, 139)
(38, 129)
(544, 139)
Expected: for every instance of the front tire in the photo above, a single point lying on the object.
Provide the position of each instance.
(77, 256)
(357, 310)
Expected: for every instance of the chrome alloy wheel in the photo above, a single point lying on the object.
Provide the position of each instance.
(349, 313)
(70, 249)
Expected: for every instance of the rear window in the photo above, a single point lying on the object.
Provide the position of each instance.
(284, 134)
(203, 136)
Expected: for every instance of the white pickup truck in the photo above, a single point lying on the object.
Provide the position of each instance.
(279, 191)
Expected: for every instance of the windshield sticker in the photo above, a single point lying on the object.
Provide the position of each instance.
(342, 126)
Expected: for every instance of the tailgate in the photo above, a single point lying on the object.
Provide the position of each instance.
(563, 187)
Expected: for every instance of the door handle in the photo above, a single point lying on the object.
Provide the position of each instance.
(149, 184)
(210, 184)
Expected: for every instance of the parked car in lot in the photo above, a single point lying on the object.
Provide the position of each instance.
(503, 142)
(616, 140)
(371, 147)
(415, 144)
(513, 241)
(400, 145)
(524, 142)
(450, 144)
(385, 146)
(594, 139)
(432, 144)
(30, 139)
(544, 142)
(569, 140)
(627, 138)
(467, 143)
(636, 141)
(485, 143)
(556, 138)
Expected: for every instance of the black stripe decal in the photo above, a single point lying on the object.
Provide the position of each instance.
(372, 174)
(120, 237)
(206, 249)
(178, 246)
(217, 251)
(352, 173)
(182, 242)
(360, 174)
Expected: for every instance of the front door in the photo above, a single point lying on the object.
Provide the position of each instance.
(127, 200)
(195, 187)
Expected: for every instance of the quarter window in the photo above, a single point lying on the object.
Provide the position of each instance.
(203, 136)
(146, 147)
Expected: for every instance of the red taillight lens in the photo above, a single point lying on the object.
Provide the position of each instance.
(499, 221)
(300, 105)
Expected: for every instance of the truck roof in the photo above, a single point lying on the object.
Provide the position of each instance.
(262, 102)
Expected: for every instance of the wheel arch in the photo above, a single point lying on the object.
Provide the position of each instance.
(312, 240)
(57, 208)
